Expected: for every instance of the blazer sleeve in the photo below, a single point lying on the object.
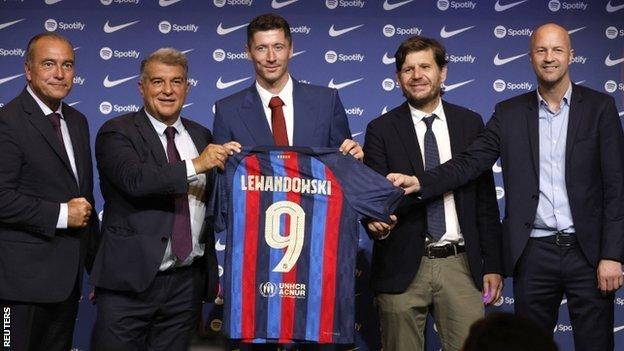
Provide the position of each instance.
(126, 163)
(339, 123)
(18, 209)
(221, 132)
(612, 169)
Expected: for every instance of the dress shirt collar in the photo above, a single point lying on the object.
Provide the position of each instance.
(44, 108)
(418, 115)
(286, 94)
(565, 101)
(160, 126)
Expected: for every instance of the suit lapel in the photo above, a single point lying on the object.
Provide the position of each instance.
(532, 118)
(404, 126)
(150, 136)
(305, 114)
(455, 130)
(198, 140)
(78, 144)
(575, 116)
(252, 114)
(40, 122)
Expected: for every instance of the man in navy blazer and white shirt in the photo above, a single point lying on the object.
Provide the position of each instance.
(562, 154)
(301, 114)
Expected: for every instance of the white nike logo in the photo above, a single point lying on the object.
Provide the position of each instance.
(389, 7)
(572, 31)
(621, 113)
(298, 53)
(224, 85)
(342, 85)
(52, 2)
(448, 88)
(337, 32)
(219, 246)
(579, 82)
(447, 34)
(187, 105)
(165, 3)
(609, 62)
(384, 110)
(611, 8)
(224, 31)
(187, 51)
(4, 80)
(387, 60)
(617, 329)
(563, 301)
(110, 29)
(500, 8)
(73, 103)
(112, 83)
(278, 5)
(4, 25)
(500, 61)
(356, 134)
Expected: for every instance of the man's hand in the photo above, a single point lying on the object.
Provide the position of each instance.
(379, 229)
(492, 287)
(78, 212)
(409, 183)
(215, 155)
(352, 147)
(609, 276)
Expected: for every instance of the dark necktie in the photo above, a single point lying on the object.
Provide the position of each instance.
(181, 239)
(55, 120)
(278, 122)
(436, 222)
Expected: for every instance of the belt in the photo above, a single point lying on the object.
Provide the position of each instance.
(444, 251)
(559, 238)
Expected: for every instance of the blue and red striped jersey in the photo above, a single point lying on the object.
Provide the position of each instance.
(291, 217)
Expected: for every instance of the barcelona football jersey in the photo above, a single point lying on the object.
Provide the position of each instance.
(291, 217)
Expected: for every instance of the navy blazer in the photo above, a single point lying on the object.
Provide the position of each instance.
(138, 185)
(39, 263)
(392, 146)
(594, 171)
(319, 118)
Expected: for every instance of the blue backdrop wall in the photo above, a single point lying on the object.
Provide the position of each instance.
(346, 44)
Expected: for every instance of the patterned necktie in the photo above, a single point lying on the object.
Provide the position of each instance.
(181, 239)
(436, 222)
(55, 120)
(278, 122)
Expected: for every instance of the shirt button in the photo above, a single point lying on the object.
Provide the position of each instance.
(557, 211)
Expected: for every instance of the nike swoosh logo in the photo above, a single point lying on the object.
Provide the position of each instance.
(187, 105)
(572, 31)
(187, 51)
(500, 61)
(298, 53)
(278, 5)
(219, 246)
(617, 329)
(610, 8)
(73, 103)
(610, 62)
(448, 88)
(110, 29)
(564, 301)
(387, 60)
(337, 32)
(500, 8)
(52, 2)
(224, 85)
(224, 31)
(621, 113)
(356, 134)
(447, 34)
(113, 83)
(165, 3)
(579, 82)
(342, 85)
(4, 80)
(384, 110)
(389, 7)
(4, 25)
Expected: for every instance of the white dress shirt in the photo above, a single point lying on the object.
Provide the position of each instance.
(440, 130)
(61, 222)
(289, 113)
(196, 190)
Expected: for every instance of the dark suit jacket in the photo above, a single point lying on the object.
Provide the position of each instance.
(39, 263)
(594, 171)
(319, 116)
(138, 185)
(392, 146)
